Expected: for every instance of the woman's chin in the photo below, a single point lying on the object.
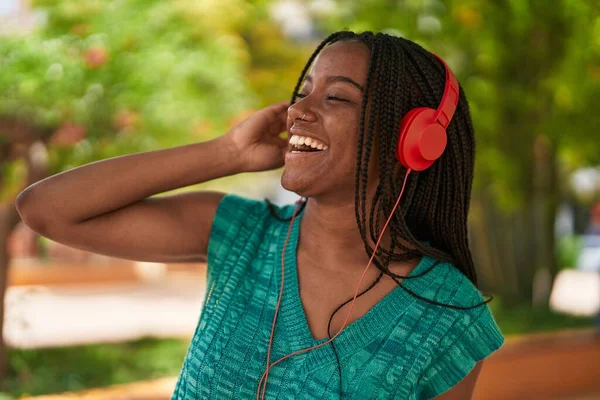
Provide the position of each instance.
(300, 183)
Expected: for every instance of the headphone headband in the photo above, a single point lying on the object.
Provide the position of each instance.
(447, 107)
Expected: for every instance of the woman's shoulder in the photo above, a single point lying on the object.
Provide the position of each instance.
(466, 312)
(464, 331)
(243, 228)
(234, 207)
(241, 221)
(443, 282)
(232, 204)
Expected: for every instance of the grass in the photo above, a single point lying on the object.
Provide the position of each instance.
(57, 370)
(519, 320)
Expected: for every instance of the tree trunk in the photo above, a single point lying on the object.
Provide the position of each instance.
(4, 263)
(511, 248)
(513, 212)
(36, 158)
(9, 218)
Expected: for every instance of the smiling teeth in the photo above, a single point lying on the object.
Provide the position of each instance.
(298, 140)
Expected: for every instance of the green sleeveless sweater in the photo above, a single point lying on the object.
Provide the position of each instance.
(402, 348)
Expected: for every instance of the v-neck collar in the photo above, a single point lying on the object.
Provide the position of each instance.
(369, 327)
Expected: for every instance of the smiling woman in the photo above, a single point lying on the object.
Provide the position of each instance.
(344, 121)
(278, 276)
(360, 172)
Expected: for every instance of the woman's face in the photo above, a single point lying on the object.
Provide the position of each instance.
(330, 100)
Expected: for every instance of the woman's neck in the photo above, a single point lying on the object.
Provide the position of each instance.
(330, 236)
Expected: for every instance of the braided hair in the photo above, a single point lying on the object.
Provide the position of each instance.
(432, 217)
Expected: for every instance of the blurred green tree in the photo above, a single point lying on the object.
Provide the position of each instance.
(532, 75)
(103, 78)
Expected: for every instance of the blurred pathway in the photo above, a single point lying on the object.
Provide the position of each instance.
(38, 316)
(161, 389)
(49, 316)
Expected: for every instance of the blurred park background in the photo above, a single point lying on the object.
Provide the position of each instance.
(83, 80)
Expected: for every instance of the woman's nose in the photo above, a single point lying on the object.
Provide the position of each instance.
(300, 113)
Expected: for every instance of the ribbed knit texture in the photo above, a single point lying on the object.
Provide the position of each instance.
(402, 348)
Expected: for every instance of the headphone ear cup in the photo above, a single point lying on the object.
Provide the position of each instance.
(405, 125)
(422, 140)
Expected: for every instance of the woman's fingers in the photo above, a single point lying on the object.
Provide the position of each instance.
(277, 117)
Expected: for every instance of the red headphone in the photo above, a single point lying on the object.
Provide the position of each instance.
(422, 141)
(423, 130)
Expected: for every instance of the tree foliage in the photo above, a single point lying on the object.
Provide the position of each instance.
(127, 76)
(102, 78)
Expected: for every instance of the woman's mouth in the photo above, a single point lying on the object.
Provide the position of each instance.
(305, 144)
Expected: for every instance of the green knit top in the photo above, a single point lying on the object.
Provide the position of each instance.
(402, 348)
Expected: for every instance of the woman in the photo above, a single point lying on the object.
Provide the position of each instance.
(418, 329)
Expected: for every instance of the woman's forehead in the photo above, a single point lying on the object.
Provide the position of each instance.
(347, 58)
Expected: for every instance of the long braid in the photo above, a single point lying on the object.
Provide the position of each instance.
(382, 124)
(457, 224)
(378, 57)
(432, 215)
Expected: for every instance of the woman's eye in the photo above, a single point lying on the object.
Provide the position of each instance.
(336, 98)
(300, 96)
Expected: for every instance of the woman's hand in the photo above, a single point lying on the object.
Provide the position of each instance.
(257, 140)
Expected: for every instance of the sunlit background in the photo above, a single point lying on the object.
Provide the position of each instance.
(83, 80)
